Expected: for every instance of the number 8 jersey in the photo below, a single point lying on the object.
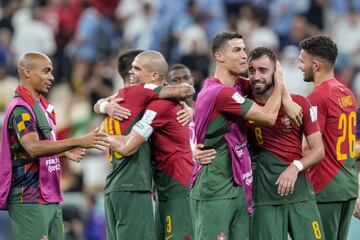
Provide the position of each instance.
(334, 178)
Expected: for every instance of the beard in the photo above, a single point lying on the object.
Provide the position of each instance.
(309, 76)
(264, 89)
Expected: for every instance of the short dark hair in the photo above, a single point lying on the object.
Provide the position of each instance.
(221, 39)
(259, 52)
(125, 60)
(177, 66)
(320, 46)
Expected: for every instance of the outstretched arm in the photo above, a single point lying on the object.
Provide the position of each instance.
(38, 148)
(126, 145)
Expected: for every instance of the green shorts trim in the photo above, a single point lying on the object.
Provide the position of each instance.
(336, 217)
(274, 222)
(227, 218)
(35, 221)
(173, 219)
(129, 215)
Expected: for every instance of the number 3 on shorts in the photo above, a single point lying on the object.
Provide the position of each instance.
(316, 229)
(168, 224)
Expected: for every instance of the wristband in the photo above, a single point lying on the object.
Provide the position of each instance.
(143, 128)
(298, 165)
(102, 106)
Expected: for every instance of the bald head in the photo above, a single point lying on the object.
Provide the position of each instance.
(154, 61)
(35, 71)
(29, 61)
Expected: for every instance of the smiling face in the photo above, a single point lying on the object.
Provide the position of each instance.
(261, 74)
(139, 74)
(306, 66)
(41, 77)
(233, 56)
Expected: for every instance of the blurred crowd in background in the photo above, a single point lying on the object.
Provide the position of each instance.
(84, 38)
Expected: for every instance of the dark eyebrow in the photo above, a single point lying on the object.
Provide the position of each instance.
(47, 69)
(263, 68)
(235, 49)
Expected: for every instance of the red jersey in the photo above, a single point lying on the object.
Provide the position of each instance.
(132, 173)
(170, 148)
(335, 178)
(274, 148)
(284, 139)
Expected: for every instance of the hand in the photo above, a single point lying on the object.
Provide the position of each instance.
(356, 211)
(185, 115)
(204, 156)
(113, 109)
(94, 139)
(75, 154)
(286, 180)
(294, 112)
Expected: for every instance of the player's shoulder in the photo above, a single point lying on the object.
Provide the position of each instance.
(299, 99)
(226, 92)
(20, 109)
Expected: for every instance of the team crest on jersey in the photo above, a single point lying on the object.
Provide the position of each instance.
(287, 123)
(221, 236)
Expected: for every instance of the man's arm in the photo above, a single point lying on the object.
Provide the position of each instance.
(126, 145)
(314, 154)
(181, 92)
(38, 148)
(267, 114)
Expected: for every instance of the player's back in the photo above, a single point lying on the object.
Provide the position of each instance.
(335, 176)
(170, 147)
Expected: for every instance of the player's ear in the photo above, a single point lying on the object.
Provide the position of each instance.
(316, 64)
(155, 75)
(219, 57)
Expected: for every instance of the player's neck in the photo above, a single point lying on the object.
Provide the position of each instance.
(322, 77)
(34, 93)
(263, 97)
(224, 76)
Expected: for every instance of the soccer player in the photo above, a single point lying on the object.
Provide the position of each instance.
(179, 73)
(334, 178)
(218, 200)
(111, 106)
(30, 163)
(128, 186)
(172, 166)
(283, 198)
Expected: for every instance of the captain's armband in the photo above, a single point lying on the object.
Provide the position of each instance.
(143, 128)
